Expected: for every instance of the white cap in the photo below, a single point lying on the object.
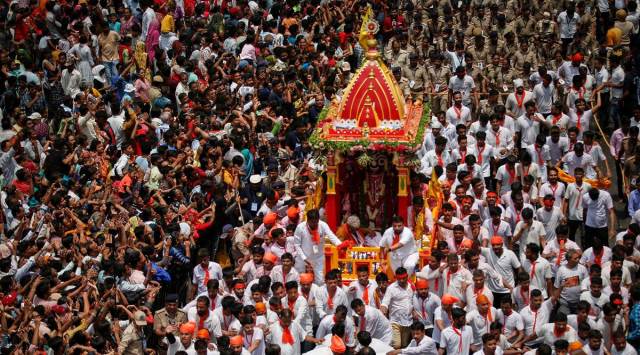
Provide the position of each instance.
(129, 88)
(5, 252)
(435, 124)
(255, 179)
(518, 83)
(35, 116)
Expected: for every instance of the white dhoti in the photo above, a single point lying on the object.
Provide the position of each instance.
(408, 262)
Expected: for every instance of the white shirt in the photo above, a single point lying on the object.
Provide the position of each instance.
(548, 336)
(426, 308)
(529, 128)
(573, 196)
(617, 77)
(465, 86)
(589, 257)
(531, 234)
(301, 312)
(503, 139)
(426, 347)
(457, 341)
(539, 272)
(533, 321)
(480, 324)
(399, 303)
(512, 105)
(511, 323)
(376, 324)
(406, 239)
(275, 337)
(544, 97)
(356, 290)
(556, 190)
(598, 210)
(627, 350)
(452, 282)
(322, 300)
(327, 323)
(215, 273)
(506, 178)
(457, 115)
(562, 121)
(567, 24)
(212, 323)
(585, 119)
(572, 161)
(306, 248)
(570, 278)
(483, 158)
(258, 334)
(277, 275)
(550, 220)
(504, 265)
(503, 229)
(557, 149)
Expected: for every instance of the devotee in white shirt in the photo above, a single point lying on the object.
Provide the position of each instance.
(309, 240)
(399, 244)
(457, 338)
(372, 320)
(420, 343)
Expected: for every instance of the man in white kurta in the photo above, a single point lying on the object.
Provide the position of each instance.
(309, 243)
(399, 244)
(372, 320)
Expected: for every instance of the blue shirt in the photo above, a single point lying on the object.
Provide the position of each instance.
(634, 323)
(634, 202)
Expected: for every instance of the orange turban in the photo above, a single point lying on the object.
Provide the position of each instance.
(203, 334)
(188, 328)
(482, 298)
(467, 243)
(236, 341)
(449, 299)
(270, 218)
(496, 239)
(306, 278)
(261, 308)
(337, 345)
(576, 345)
(292, 212)
(422, 283)
(270, 257)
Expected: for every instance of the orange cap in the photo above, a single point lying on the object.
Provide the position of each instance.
(306, 278)
(482, 298)
(422, 283)
(261, 308)
(203, 334)
(236, 341)
(337, 345)
(270, 257)
(292, 212)
(576, 345)
(449, 299)
(270, 218)
(496, 239)
(188, 328)
(467, 243)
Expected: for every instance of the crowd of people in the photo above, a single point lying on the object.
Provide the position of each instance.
(159, 187)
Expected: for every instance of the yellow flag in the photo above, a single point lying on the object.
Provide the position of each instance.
(364, 33)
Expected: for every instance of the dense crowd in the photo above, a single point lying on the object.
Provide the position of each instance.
(160, 191)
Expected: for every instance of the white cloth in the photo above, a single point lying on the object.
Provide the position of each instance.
(399, 303)
(457, 341)
(376, 324)
(215, 273)
(597, 210)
